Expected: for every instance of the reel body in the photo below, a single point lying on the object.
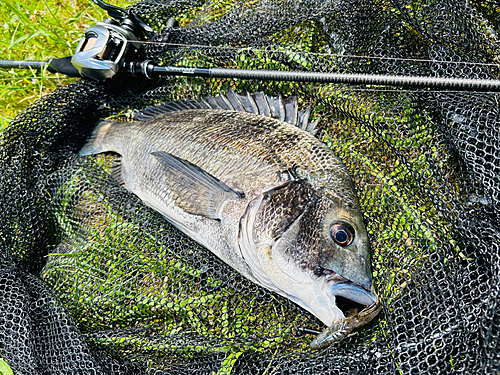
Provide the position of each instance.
(103, 49)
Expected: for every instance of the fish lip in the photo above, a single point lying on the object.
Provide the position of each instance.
(341, 287)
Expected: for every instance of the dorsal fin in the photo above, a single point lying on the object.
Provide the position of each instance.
(151, 112)
(259, 103)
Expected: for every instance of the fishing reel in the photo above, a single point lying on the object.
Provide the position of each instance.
(114, 45)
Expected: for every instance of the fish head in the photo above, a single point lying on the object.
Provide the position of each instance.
(343, 246)
(313, 248)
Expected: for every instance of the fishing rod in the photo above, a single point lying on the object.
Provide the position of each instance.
(113, 47)
(148, 69)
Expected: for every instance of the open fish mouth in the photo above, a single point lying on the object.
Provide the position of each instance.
(341, 329)
(358, 305)
(350, 296)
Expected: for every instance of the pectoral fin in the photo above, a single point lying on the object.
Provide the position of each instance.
(194, 190)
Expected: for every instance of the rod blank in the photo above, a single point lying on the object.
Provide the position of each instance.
(458, 84)
(64, 66)
(22, 64)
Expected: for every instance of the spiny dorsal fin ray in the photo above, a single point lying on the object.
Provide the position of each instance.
(235, 100)
(262, 104)
(291, 110)
(249, 103)
(259, 103)
(151, 112)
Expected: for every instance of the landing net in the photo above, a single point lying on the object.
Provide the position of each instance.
(94, 282)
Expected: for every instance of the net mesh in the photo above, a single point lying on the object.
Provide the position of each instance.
(92, 281)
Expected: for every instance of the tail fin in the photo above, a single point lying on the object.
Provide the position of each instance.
(95, 144)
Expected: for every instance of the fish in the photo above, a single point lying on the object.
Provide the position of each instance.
(244, 176)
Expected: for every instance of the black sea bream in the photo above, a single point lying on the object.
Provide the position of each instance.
(261, 193)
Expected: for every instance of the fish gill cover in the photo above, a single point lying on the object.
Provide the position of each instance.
(93, 281)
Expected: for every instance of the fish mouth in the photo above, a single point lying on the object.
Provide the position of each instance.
(349, 296)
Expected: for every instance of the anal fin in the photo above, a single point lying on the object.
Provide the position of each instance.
(194, 190)
(116, 170)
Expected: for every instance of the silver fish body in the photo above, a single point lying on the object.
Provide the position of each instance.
(265, 196)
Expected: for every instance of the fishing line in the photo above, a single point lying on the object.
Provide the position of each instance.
(114, 46)
(255, 49)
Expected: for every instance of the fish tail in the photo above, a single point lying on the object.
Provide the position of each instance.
(95, 144)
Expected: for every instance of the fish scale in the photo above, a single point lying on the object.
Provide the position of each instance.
(224, 151)
(264, 195)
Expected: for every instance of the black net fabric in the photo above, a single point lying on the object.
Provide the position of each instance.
(92, 281)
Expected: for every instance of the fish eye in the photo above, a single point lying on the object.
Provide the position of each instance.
(342, 233)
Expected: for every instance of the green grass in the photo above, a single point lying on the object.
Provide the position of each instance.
(4, 368)
(39, 30)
